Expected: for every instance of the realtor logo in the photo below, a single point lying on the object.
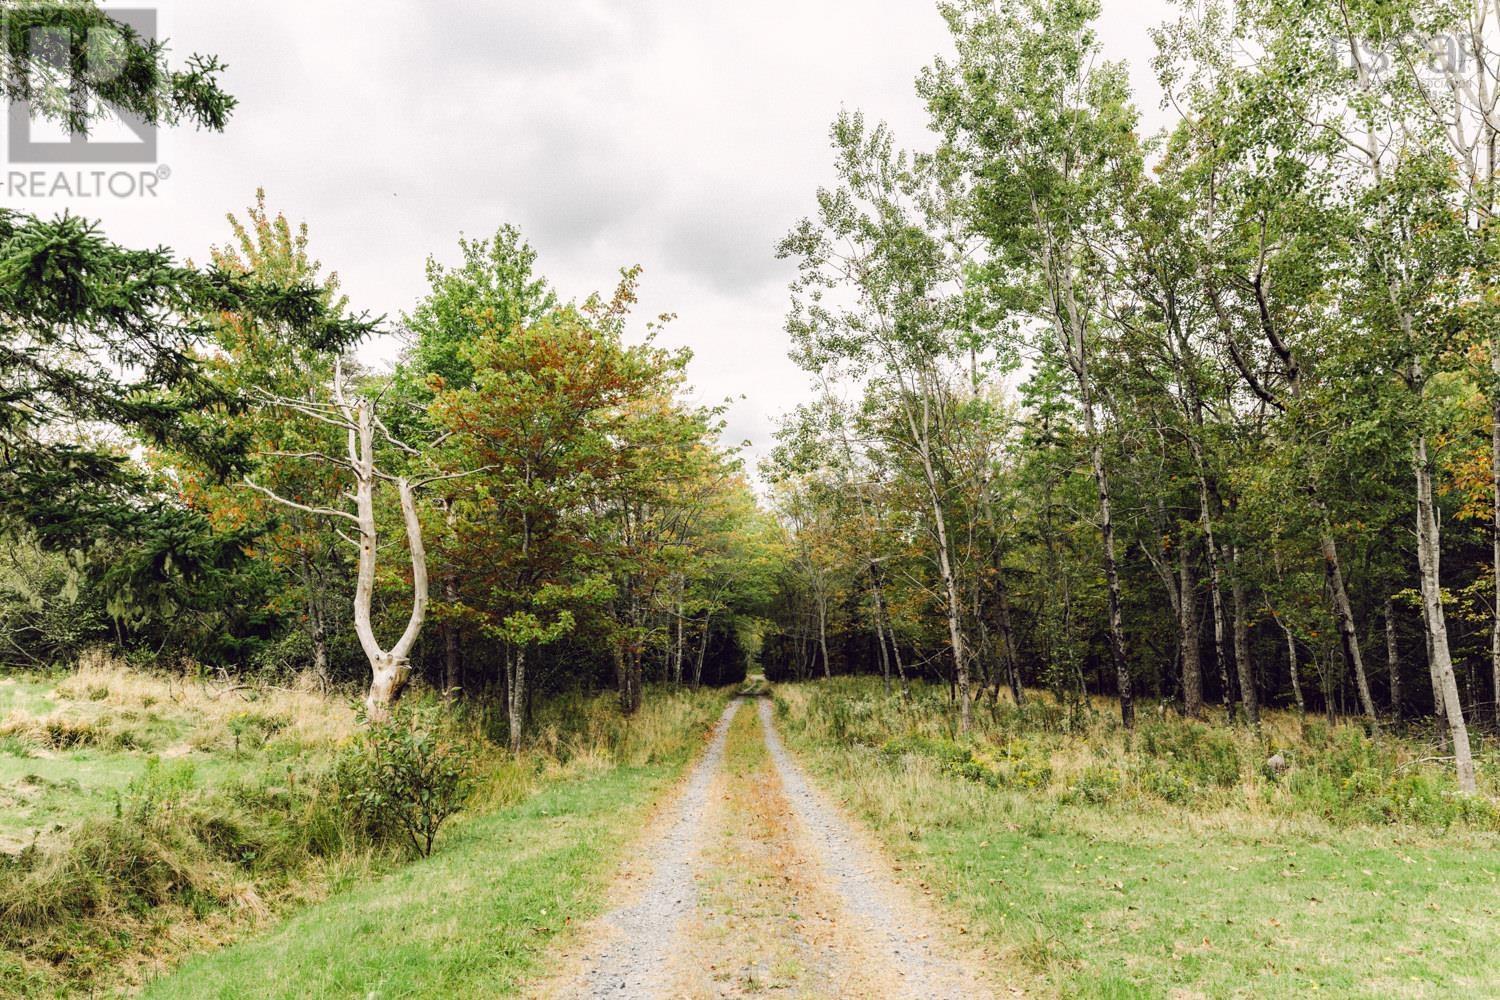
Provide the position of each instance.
(71, 62)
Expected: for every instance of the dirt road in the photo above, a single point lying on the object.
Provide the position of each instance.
(753, 881)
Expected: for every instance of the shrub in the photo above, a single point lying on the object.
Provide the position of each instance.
(1014, 765)
(1356, 779)
(1165, 782)
(404, 778)
(253, 728)
(952, 758)
(1097, 785)
(63, 732)
(1020, 764)
(1199, 754)
(159, 788)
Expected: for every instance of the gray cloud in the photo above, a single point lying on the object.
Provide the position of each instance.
(682, 135)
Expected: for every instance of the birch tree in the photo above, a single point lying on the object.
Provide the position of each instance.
(1048, 133)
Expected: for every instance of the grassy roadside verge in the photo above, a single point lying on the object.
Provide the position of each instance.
(144, 816)
(1093, 876)
(472, 920)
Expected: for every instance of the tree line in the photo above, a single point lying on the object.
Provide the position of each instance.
(1207, 415)
(198, 472)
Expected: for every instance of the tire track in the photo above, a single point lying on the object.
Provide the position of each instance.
(627, 956)
(906, 931)
(805, 885)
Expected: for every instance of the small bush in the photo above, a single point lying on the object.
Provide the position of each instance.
(1199, 754)
(404, 778)
(63, 732)
(952, 758)
(1166, 783)
(252, 729)
(13, 746)
(1020, 764)
(1355, 779)
(1097, 785)
(1014, 765)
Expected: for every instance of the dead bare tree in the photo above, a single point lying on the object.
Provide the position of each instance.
(358, 417)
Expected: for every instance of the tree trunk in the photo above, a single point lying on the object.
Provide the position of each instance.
(1242, 662)
(317, 631)
(635, 680)
(823, 633)
(896, 659)
(1344, 613)
(678, 646)
(1295, 669)
(1393, 658)
(1111, 574)
(389, 675)
(320, 653)
(1439, 709)
(1187, 635)
(1071, 327)
(1215, 593)
(515, 702)
(617, 651)
(1428, 556)
(390, 670)
(453, 681)
(885, 660)
(702, 651)
(1495, 538)
(950, 589)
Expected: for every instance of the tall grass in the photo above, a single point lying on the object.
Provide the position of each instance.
(1337, 773)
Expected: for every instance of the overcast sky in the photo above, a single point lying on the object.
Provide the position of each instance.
(686, 136)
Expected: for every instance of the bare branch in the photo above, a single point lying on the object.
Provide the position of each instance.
(320, 511)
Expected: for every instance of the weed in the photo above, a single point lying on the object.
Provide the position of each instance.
(1354, 873)
(1098, 784)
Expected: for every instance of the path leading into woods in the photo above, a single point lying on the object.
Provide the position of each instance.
(751, 881)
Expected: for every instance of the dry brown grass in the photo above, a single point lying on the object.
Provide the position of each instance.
(305, 713)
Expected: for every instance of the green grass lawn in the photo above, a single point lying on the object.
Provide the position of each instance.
(470, 921)
(1142, 898)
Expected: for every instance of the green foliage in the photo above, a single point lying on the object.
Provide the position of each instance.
(406, 776)
(533, 858)
(1118, 894)
(1348, 777)
(952, 758)
(1201, 755)
(122, 70)
(253, 728)
(82, 903)
(1097, 785)
(493, 292)
(1015, 764)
